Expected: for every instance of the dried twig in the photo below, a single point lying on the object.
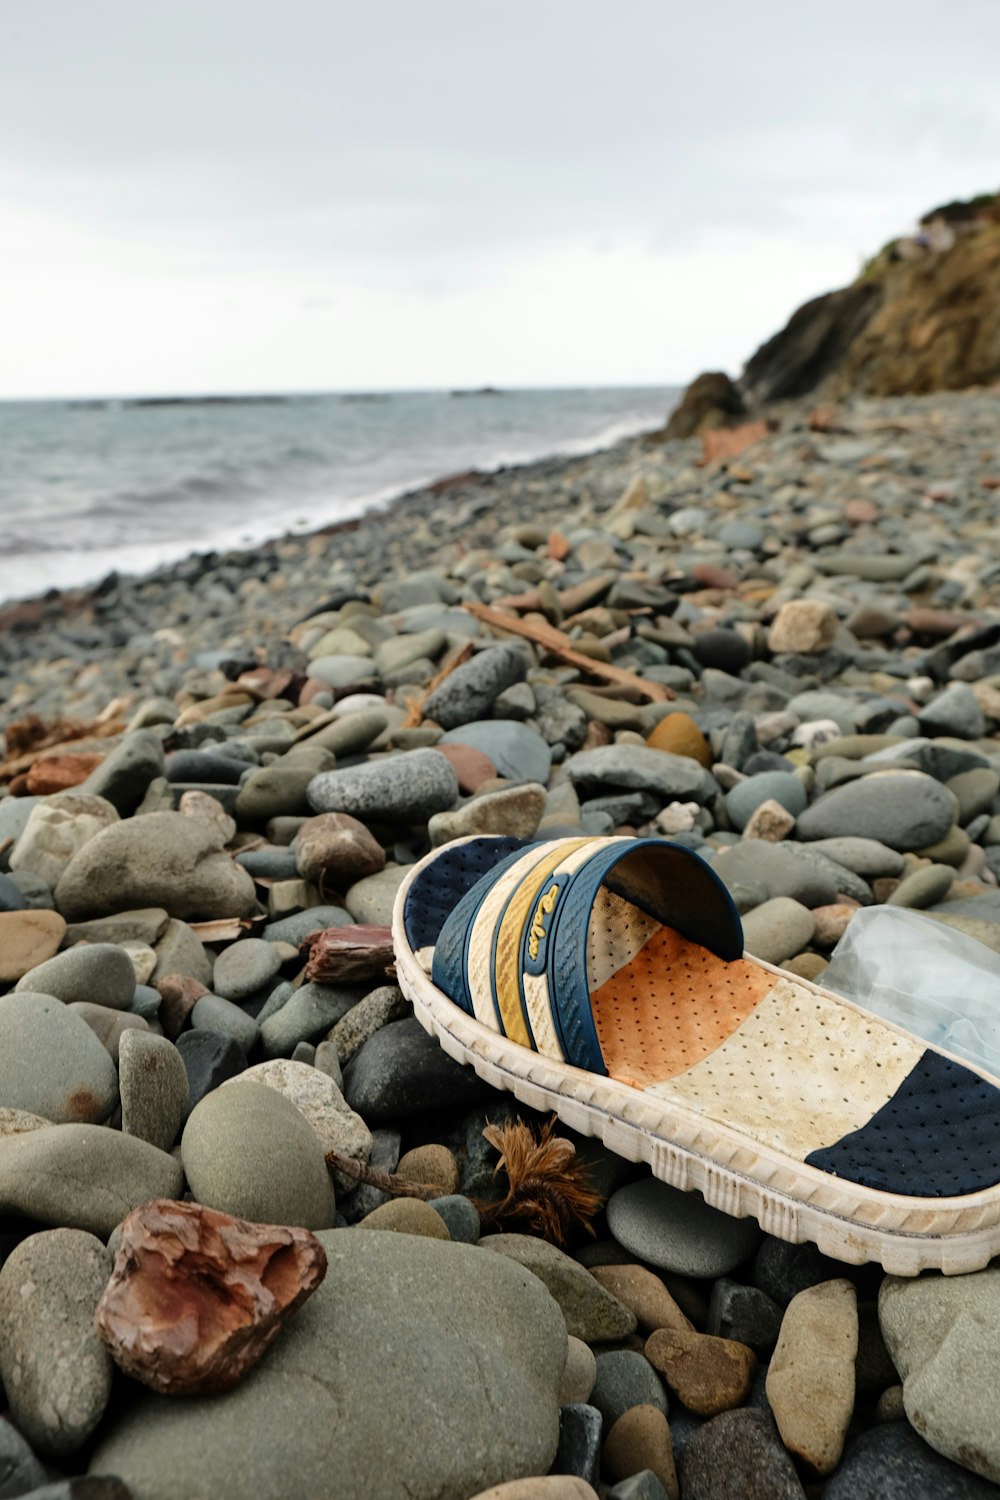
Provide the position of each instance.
(387, 1182)
(558, 643)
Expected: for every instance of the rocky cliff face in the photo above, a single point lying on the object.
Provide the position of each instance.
(923, 316)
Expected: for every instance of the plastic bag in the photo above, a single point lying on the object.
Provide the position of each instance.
(927, 977)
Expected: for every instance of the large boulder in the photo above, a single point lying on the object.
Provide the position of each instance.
(162, 859)
(468, 1398)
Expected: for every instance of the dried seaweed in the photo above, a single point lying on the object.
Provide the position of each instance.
(548, 1192)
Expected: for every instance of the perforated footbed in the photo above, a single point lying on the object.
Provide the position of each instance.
(670, 1005)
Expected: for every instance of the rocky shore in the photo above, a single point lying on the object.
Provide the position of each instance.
(783, 651)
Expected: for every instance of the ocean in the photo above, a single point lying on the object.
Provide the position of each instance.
(89, 487)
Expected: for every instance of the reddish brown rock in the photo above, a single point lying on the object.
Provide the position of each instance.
(936, 623)
(709, 1375)
(196, 1296)
(179, 995)
(57, 773)
(340, 955)
(472, 767)
(712, 576)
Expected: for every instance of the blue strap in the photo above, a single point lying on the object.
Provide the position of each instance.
(450, 968)
(678, 889)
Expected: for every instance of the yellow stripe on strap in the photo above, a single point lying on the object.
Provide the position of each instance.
(480, 960)
(507, 969)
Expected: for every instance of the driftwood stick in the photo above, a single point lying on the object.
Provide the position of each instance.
(558, 643)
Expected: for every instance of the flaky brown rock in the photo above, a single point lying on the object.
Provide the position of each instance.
(197, 1296)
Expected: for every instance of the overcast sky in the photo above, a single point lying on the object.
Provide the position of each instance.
(217, 195)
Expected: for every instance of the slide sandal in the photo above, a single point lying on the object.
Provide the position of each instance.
(604, 979)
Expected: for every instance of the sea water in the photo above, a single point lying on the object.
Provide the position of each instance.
(91, 486)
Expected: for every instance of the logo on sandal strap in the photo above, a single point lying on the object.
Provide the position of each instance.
(538, 931)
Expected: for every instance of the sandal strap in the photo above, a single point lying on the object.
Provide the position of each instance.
(513, 953)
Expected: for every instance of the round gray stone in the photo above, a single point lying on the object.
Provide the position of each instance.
(460, 1215)
(518, 752)
(154, 1088)
(55, 1370)
(370, 901)
(625, 1378)
(101, 973)
(924, 887)
(668, 777)
(212, 1013)
(161, 859)
(904, 809)
(245, 967)
(409, 787)
(591, 1312)
(51, 1063)
(82, 1176)
(679, 1231)
(778, 929)
(248, 1151)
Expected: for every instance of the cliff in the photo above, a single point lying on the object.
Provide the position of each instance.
(924, 315)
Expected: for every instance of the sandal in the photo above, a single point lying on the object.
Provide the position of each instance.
(604, 979)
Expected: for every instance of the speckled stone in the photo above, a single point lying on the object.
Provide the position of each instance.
(55, 1370)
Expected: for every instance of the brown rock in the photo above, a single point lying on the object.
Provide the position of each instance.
(644, 1294)
(339, 847)
(27, 938)
(179, 995)
(832, 922)
(802, 625)
(196, 1296)
(935, 623)
(407, 1216)
(805, 965)
(730, 442)
(810, 1380)
(540, 1487)
(708, 1374)
(57, 773)
(639, 1440)
(711, 576)
(711, 400)
(679, 734)
(860, 513)
(472, 767)
(431, 1166)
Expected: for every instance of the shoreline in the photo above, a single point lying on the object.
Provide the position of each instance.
(80, 595)
(230, 492)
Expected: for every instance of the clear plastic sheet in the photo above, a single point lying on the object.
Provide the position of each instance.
(927, 977)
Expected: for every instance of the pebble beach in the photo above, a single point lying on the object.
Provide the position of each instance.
(784, 655)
